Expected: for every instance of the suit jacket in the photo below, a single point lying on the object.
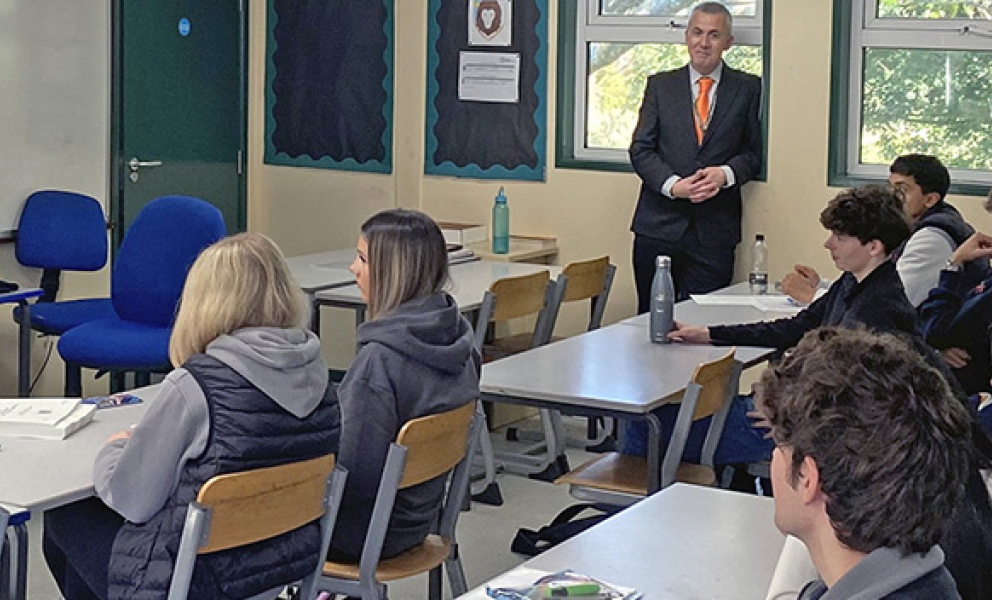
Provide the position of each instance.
(664, 144)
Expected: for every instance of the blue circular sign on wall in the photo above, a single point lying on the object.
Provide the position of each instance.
(184, 26)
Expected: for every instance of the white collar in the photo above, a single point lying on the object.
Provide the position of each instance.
(715, 75)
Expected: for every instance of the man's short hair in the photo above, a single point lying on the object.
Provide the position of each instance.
(715, 8)
(927, 171)
(889, 439)
(868, 213)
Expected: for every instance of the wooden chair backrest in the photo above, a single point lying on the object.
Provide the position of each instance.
(519, 296)
(256, 505)
(714, 377)
(585, 278)
(435, 444)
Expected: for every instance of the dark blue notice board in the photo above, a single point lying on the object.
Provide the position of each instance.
(486, 140)
(329, 84)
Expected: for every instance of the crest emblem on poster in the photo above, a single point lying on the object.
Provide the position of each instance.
(489, 22)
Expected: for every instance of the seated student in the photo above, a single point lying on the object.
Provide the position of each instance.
(871, 509)
(956, 317)
(865, 224)
(921, 182)
(415, 357)
(252, 391)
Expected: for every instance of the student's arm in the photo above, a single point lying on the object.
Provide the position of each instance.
(921, 260)
(780, 333)
(135, 476)
(950, 314)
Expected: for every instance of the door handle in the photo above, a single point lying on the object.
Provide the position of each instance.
(134, 164)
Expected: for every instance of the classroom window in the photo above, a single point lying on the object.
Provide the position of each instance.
(611, 47)
(917, 77)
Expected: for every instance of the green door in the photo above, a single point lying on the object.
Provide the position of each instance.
(179, 105)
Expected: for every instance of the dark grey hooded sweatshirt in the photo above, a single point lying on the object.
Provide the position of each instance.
(416, 360)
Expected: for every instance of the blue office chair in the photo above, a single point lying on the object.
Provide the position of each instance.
(62, 231)
(149, 272)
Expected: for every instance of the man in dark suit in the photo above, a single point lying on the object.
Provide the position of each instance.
(697, 141)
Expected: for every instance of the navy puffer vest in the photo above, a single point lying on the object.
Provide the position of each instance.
(247, 431)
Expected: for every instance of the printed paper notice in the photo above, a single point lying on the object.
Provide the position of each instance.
(489, 77)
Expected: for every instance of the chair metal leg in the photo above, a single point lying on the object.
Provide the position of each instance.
(456, 574)
(73, 381)
(118, 381)
(434, 584)
(142, 378)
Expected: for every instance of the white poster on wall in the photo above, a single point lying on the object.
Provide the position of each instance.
(490, 22)
(489, 77)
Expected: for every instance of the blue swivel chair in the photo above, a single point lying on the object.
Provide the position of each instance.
(62, 231)
(149, 272)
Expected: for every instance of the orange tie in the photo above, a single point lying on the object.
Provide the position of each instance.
(702, 108)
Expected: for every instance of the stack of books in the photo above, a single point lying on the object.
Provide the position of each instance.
(459, 254)
(47, 418)
(462, 234)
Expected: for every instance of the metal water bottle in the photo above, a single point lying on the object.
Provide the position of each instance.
(662, 301)
(501, 224)
(759, 266)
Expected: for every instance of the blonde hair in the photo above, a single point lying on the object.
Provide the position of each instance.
(407, 259)
(240, 281)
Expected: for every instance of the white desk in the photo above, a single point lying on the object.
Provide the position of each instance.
(683, 542)
(41, 474)
(469, 281)
(614, 371)
(321, 271)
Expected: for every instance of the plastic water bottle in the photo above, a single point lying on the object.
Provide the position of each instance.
(501, 224)
(759, 266)
(662, 301)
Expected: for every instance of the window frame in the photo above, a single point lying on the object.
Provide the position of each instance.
(855, 28)
(580, 24)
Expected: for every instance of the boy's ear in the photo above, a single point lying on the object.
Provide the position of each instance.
(930, 199)
(809, 480)
(876, 248)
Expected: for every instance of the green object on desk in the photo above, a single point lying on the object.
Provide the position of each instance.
(571, 589)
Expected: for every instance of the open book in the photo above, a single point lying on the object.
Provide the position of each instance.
(48, 418)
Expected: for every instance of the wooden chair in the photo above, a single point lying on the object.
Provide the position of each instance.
(622, 479)
(509, 298)
(238, 509)
(589, 280)
(425, 448)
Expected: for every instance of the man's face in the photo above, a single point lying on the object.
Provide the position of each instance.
(848, 253)
(707, 37)
(914, 201)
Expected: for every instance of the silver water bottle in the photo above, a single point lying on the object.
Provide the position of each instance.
(662, 301)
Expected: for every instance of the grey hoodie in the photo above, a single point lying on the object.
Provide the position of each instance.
(417, 360)
(885, 573)
(135, 477)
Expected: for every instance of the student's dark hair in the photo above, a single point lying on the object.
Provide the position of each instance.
(890, 442)
(927, 171)
(868, 213)
(407, 258)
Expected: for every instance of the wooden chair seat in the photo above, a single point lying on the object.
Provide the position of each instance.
(626, 474)
(423, 557)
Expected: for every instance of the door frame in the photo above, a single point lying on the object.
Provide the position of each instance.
(118, 170)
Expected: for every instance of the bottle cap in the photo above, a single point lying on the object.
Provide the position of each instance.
(500, 197)
(760, 237)
(663, 261)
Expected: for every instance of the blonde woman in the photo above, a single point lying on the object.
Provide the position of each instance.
(415, 357)
(250, 390)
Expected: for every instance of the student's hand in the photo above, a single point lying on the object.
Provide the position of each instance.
(121, 435)
(689, 334)
(978, 245)
(956, 358)
(801, 284)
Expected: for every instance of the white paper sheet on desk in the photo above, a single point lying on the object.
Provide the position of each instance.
(771, 303)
